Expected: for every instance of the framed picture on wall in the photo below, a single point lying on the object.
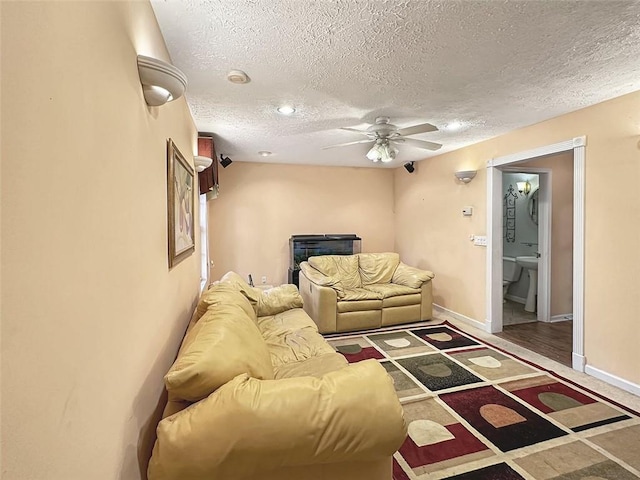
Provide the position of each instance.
(180, 203)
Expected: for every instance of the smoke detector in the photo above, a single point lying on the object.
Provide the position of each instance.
(237, 77)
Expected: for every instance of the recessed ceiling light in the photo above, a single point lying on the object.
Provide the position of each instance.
(238, 77)
(454, 126)
(286, 109)
(264, 153)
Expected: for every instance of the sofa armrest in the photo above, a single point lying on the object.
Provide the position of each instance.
(411, 276)
(250, 426)
(320, 303)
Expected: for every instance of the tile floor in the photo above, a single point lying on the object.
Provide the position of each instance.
(513, 314)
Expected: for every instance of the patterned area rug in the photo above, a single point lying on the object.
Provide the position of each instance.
(476, 412)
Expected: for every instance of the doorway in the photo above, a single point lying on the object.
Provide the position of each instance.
(495, 170)
(524, 243)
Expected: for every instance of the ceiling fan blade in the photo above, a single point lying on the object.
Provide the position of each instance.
(422, 128)
(414, 142)
(348, 143)
(354, 130)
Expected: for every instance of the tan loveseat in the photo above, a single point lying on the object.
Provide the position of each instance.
(257, 393)
(344, 293)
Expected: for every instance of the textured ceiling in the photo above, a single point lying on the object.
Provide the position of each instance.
(493, 65)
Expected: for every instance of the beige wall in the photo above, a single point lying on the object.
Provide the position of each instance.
(91, 315)
(431, 232)
(261, 205)
(561, 166)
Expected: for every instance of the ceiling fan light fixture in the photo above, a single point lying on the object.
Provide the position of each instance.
(388, 153)
(374, 154)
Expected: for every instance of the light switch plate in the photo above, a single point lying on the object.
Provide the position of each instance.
(467, 211)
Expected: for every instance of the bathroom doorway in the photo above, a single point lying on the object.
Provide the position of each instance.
(520, 247)
(575, 151)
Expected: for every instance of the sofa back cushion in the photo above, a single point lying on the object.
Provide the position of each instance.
(341, 267)
(225, 342)
(225, 293)
(377, 267)
(278, 299)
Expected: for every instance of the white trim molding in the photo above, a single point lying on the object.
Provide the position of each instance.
(463, 318)
(613, 379)
(578, 247)
(494, 236)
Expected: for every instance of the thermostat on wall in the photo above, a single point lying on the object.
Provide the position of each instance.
(467, 211)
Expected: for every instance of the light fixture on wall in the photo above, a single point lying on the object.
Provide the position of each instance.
(225, 161)
(202, 163)
(465, 176)
(161, 81)
(382, 152)
(409, 167)
(524, 187)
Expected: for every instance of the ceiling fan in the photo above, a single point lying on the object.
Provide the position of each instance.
(385, 135)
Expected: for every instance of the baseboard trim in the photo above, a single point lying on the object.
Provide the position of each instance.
(485, 327)
(513, 298)
(613, 380)
(578, 361)
(561, 318)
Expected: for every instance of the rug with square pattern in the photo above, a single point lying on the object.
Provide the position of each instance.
(476, 412)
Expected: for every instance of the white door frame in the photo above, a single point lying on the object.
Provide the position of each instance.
(494, 236)
(544, 243)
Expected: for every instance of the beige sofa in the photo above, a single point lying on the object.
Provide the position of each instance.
(256, 392)
(368, 290)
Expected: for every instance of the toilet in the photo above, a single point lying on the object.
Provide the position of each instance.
(511, 272)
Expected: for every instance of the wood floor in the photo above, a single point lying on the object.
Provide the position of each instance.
(552, 340)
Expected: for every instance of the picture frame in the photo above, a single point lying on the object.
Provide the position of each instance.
(180, 205)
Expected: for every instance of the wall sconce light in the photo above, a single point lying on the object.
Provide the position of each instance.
(202, 163)
(161, 81)
(225, 161)
(409, 167)
(524, 187)
(465, 176)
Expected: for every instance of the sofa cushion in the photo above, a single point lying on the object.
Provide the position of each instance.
(411, 276)
(358, 306)
(392, 290)
(402, 300)
(360, 294)
(311, 367)
(224, 343)
(341, 267)
(278, 299)
(294, 319)
(377, 267)
(321, 279)
(220, 293)
(290, 338)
